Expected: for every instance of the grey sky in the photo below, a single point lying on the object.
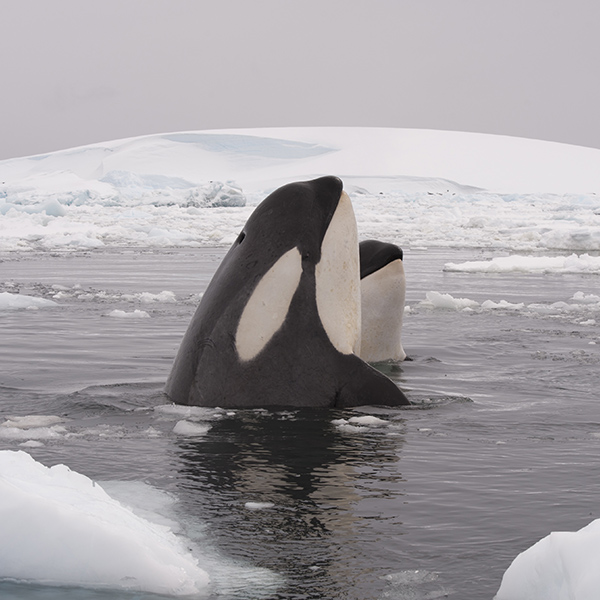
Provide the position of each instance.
(74, 72)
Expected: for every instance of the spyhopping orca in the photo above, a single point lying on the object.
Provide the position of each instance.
(279, 324)
(383, 291)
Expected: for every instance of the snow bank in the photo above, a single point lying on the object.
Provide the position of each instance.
(409, 187)
(563, 565)
(60, 528)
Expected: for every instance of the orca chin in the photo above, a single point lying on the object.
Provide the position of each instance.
(280, 322)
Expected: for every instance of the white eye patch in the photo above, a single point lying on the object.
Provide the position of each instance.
(268, 305)
(338, 280)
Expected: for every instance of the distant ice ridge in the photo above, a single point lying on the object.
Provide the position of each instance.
(409, 219)
(409, 187)
(561, 566)
(60, 528)
(52, 193)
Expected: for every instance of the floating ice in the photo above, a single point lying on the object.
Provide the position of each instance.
(573, 263)
(164, 296)
(503, 304)
(582, 305)
(368, 420)
(58, 527)
(586, 298)
(12, 301)
(136, 314)
(201, 413)
(563, 565)
(258, 505)
(357, 424)
(438, 300)
(189, 428)
(32, 427)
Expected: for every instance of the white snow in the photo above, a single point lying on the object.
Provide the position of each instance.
(64, 529)
(561, 566)
(409, 187)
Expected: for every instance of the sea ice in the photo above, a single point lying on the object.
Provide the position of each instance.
(59, 527)
(573, 263)
(12, 301)
(189, 428)
(438, 300)
(561, 566)
(198, 188)
(136, 314)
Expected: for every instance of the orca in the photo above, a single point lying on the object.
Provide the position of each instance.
(279, 323)
(383, 292)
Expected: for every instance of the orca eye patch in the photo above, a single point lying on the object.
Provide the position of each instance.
(268, 305)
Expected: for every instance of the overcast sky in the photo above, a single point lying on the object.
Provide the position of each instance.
(74, 72)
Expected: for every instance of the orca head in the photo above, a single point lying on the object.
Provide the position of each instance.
(295, 215)
(375, 255)
(304, 228)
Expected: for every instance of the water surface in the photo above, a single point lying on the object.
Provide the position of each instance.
(499, 449)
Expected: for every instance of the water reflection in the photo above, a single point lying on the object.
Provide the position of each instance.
(334, 497)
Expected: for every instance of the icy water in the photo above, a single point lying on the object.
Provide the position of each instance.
(500, 448)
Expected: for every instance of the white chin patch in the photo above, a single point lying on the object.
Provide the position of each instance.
(338, 280)
(383, 294)
(268, 305)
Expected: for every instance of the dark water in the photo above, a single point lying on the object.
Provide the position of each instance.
(500, 448)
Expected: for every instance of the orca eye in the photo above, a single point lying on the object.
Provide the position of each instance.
(241, 238)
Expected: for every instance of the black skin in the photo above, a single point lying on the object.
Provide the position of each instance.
(298, 367)
(375, 255)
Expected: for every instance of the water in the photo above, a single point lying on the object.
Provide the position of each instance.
(500, 448)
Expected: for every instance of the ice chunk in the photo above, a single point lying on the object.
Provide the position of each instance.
(258, 505)
(136, 314)
(561, 565)
(59, 527)
(12, 301)
(438, 300)
(190, 428)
